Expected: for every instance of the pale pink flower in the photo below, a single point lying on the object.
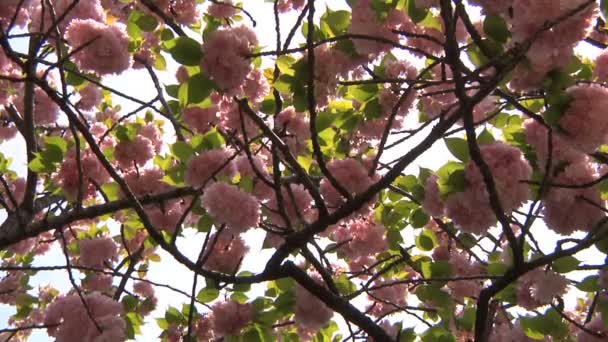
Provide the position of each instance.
(67, 12)
(201, 119)
(256, 87)
(597, 325)
(361, 237)
(564, 209)
(463, 266)
(146, 182)
(74, 321)
(137, 151)
(351, 175)
(108, 51)
(229, 317)
(364, 22)
(297, 203)
(538, 136)
(226, 204)
(212, 163)
(152, 132)
(386, 297)
(310, 312)
(432, 203)
(90, 97)
(288, 5)
(225, 59)
(470, 210)
(297, 129)
(585, 121)
(601, 67)
(98, 282)
(7, 11)
(538, 287)
(225, 9)
(96, 252)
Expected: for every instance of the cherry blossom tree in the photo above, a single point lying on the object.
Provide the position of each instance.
(306, 157)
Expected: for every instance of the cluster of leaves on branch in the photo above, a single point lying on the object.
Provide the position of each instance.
(306, 142)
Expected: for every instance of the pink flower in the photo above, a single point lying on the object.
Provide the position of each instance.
(108, 49)
(146, 182)
(212, 163)
(166, 217)
(351, 174)
(226, 9)
(585, 121)
(596, 325)
(361, 237)
(297, 129)
(256, 87)
(226, 204)
(493, 6)
(564, 209)
(297, 204)
(470, 210)
(137, 151)
(310, 312)
(75, 324)
(386, 297)
(98, 282)
(64, 9)
(288, 5)
(364, 22)
(7, 11)
(462, 266)
(601, 67)
(229, 318)
(143, 289)
(538, 136)
(90, 97)
(201, 119)
(224, 252)
(225, 59)
(538, 287)
(95, 252)
(432, 204)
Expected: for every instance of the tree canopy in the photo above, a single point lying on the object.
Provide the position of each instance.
(283, 161)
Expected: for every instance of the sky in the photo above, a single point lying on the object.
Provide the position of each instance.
(169, 272)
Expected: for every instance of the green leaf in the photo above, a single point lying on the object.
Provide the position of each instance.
(182, 150)
(344, 285)
(451, 179)
(199, 87)
(459, 148)
(146, 23)
(604, 9)
(185, 50)
(589, 284)
(496, 28)
(485, 138)
(419, 218)
(338, 21)
(426, 240)
(208, 141)
(373, 109)
(362, 93)
(324, 120)
(416, 14)
(565, 264)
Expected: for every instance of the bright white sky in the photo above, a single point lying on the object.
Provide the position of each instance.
(168, 272)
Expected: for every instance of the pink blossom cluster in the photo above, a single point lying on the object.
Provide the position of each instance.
(311, 314)
(225, 56)
(224, 252)
(365, 22)
(229, 205)
(387, 296)
(210, 164)
(596, 325)
(538, 287)
(335, 64)
(261, 190)
(351, 174)
(225, 9)
(184, 12)
(470, 210)
(462, 266)
(297, 206)
(107, 46)
(8, 9)
(137, 151)
(96, 252)
(201, 119)
(229, 317)
(361, 238)
(43, 19)
(74, 322)
(584, 124)
(553, 49)
(288, 5)
(569, 209)
(601, 66)
(296, 127)
(93, 173)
